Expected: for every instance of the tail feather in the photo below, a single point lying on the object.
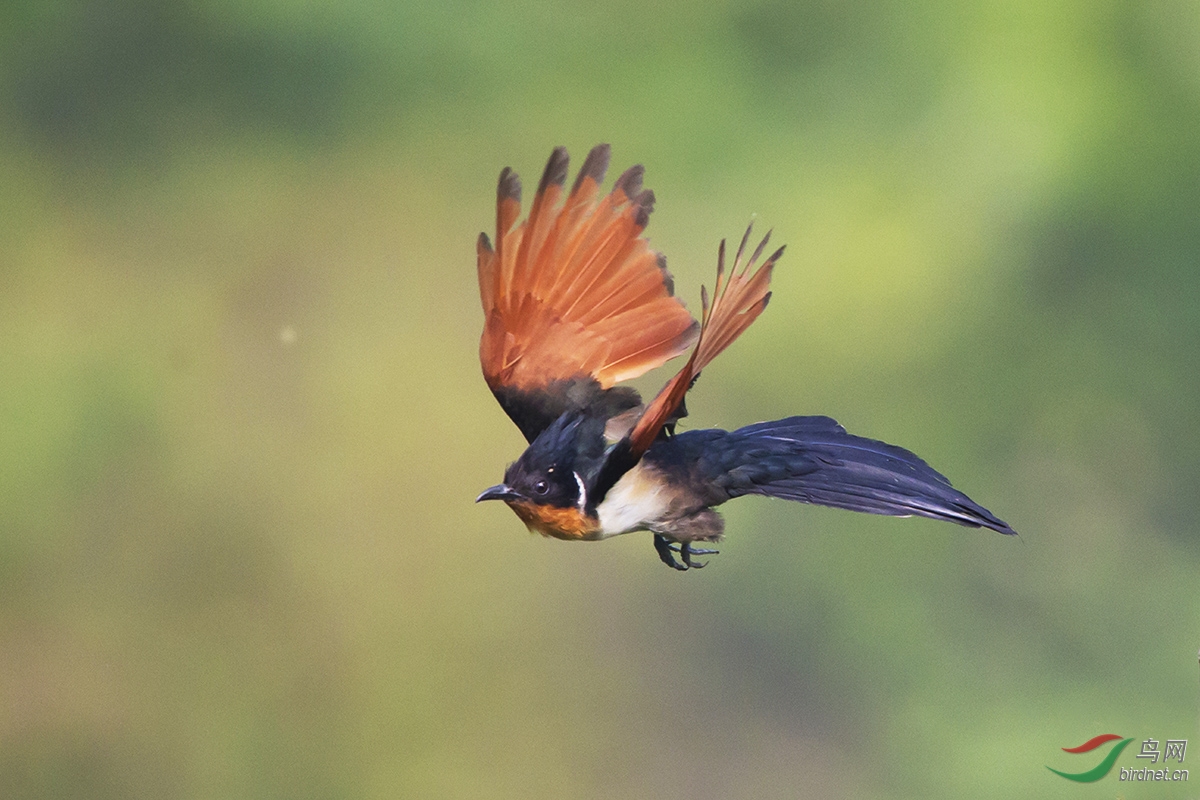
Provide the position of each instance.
(814, 460)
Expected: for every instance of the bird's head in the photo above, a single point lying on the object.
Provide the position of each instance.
(546, 486)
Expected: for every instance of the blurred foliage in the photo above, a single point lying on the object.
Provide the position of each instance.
(243, 422)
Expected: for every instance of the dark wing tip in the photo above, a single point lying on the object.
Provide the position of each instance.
(974, 515)
(594, 166)
(509, 187)
(485, 243)
(992, 522)
(667, 278)
(630, 181)
(644, 204)
(556, 169)
(758, 250)
(737, 259)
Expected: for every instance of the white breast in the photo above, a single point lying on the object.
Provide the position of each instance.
(636, 501)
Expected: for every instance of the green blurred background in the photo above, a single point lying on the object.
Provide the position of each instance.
(242, 422)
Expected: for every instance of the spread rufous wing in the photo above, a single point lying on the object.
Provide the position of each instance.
(574, 299)
(739, 296)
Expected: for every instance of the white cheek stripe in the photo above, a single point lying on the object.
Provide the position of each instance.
(582, 492)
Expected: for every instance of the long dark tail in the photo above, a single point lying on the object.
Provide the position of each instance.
(814, 460)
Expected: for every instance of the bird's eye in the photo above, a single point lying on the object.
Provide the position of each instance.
(541, 487)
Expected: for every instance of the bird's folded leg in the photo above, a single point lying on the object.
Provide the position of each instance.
(666, 550)
(662, 545)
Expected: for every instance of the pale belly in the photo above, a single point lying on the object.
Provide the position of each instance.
(635, 503)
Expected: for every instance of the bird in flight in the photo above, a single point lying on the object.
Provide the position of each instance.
(574, 302)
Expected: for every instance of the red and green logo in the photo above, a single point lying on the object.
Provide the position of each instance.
(1100, 770)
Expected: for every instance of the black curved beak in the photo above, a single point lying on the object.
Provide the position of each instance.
(498, 492)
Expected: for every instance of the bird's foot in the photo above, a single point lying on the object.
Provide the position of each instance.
(666, 551)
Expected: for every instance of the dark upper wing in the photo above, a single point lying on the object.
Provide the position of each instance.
(814, 460)
(574, 300)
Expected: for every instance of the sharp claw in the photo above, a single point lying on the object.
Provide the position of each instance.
(666, 548)
(674, 548)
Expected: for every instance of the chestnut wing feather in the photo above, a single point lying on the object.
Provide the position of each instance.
(574, 300)
(738, 299)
